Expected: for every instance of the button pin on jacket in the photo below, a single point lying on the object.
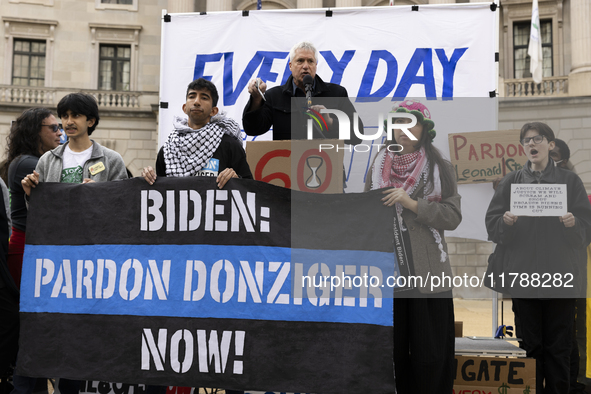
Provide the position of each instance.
(98, 167)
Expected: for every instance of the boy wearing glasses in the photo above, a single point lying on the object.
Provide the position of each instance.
(80, 160)
(543, 247)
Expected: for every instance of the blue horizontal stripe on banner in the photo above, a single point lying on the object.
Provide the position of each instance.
(209, 281)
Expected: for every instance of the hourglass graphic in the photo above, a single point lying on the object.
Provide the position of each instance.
(314, 163)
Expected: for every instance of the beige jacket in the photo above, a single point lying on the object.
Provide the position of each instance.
(443, 215)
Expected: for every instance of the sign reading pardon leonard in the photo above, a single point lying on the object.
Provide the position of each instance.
(538, 200)
(483, 156)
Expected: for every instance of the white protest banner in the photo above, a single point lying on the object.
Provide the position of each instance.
(443, 52)
(538, 200)
(437, 51)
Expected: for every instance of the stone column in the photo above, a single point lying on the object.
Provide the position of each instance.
(177, 6)
(309, 3)
(219, 5)
(348, 3)
(579, 79)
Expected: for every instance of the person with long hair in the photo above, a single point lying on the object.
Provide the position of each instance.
(34, 132)
(546, 253)
(420, 184)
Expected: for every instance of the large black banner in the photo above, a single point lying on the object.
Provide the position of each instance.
(180, 283)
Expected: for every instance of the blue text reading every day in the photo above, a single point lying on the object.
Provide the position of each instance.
(418, 71)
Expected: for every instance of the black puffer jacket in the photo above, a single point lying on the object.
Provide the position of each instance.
(542, 245)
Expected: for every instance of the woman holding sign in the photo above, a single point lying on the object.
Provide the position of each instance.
(421, 186)
(539, 254)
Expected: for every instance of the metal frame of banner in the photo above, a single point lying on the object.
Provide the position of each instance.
(495, 297)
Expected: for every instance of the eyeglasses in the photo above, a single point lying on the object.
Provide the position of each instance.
(54, 127)
(537, 139)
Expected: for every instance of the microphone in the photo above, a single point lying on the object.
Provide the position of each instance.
(308, 82)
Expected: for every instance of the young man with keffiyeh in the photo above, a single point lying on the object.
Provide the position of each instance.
(204, 144)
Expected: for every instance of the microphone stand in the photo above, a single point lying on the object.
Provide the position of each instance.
(315, 127)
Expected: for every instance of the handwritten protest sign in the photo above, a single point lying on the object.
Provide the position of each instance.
(538, 200)
(492, 375)
(297, 165)
(484, 156)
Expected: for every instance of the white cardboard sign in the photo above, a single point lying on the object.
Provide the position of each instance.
(538, 200)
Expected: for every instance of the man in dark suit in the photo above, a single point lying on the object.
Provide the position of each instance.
(288, 118)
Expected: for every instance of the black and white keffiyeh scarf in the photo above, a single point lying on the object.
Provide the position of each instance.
(187, 151)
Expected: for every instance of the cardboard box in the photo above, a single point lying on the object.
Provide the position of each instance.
(459, 329)
(493, 375)
(485, 155)
(298, 164)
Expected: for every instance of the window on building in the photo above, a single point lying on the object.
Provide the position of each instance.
(117, 1)
(121, 5)
(114, 67)
(521, 60)
(28, 63)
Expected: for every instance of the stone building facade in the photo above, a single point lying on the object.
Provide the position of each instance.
(78, 42)
(55, 47)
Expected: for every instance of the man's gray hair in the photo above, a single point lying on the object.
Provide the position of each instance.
(303, 45)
